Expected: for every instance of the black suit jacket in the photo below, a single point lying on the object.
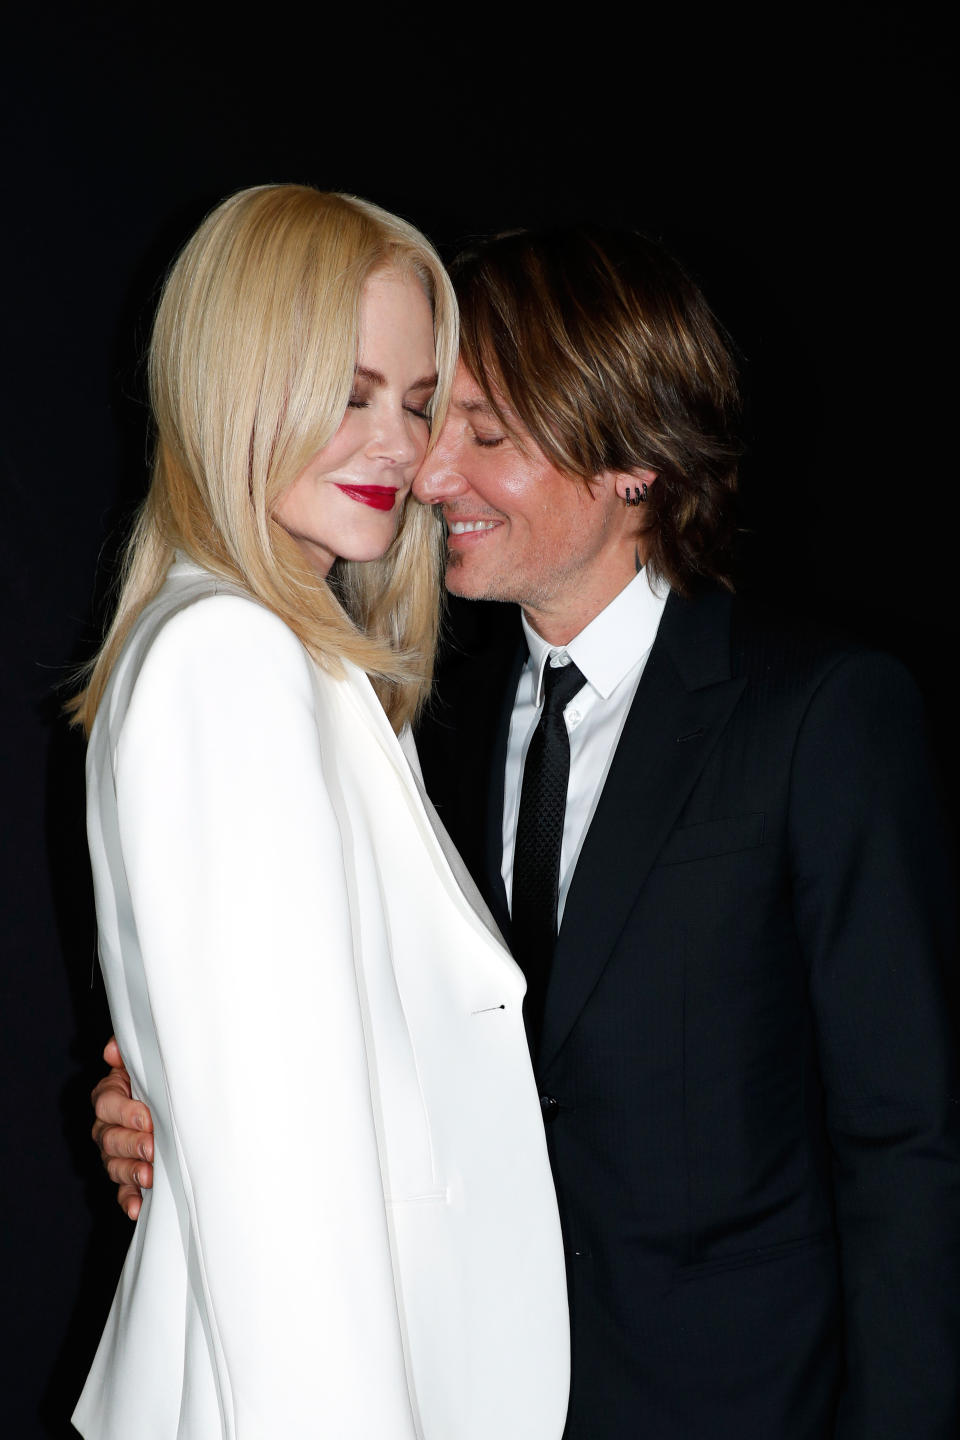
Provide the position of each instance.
(746, 1061)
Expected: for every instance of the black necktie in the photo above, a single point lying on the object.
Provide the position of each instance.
(536, 860)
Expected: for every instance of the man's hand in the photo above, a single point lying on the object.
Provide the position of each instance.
(123, 1130)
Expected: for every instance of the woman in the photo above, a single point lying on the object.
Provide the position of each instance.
(268, 875)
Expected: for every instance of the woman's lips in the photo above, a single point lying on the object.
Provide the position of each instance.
(380, 497)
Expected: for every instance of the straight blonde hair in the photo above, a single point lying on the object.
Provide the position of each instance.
(251, 366)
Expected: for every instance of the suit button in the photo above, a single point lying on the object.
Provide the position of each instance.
(549, 1108)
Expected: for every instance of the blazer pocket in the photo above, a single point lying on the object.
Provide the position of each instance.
(428, 1197)
(761, 1255)
(712, 837)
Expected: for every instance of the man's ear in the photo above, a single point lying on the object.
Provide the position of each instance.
(632, 482)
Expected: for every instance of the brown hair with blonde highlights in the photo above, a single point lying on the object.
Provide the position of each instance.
(251, 366)
(607, 352)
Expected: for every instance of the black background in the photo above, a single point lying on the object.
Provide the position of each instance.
(795, 157)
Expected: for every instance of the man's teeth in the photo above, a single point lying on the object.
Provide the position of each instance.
(464, 527)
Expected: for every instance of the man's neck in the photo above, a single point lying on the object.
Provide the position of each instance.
(623, 620)
(561, 619)
(561, 625)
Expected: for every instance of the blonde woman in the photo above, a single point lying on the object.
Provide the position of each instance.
(269, 876)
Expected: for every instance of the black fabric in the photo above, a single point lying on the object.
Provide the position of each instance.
(536, 861)
(746, 1047)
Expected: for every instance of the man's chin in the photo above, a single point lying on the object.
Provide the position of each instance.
(457, 576)
(464, 580)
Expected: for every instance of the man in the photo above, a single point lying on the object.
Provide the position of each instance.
(740, 1034)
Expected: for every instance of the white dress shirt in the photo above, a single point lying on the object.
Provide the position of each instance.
(611, 653)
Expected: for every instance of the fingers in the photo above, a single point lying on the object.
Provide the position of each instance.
(119, 1142)
(129, 1175)
(123, 1132)
(129, 1199)
(111, 1053)
(113, 1105)
(126, 1155)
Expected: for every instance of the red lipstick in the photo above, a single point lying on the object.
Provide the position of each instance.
(380, 497)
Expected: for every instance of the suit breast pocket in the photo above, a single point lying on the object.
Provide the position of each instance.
(712, 837)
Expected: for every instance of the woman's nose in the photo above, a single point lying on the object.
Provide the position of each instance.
(398, 440)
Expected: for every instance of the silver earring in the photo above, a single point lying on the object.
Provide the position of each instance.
(639, 496)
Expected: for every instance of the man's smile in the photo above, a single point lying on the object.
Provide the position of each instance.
(469, 527)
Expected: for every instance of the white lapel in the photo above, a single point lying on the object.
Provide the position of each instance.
(187, 582)
(402, 753)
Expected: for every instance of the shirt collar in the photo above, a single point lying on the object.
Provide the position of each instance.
(606, 650)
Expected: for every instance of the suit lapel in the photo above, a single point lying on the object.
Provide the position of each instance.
(463, 743)
(493, 820)
(684, 699)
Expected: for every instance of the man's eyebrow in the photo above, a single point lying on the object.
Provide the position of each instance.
(377, 377)
(474, 407)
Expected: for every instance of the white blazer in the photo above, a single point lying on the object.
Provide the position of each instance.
(311, 1008)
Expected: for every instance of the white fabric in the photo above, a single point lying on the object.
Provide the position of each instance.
(611, 653)
(352, 1231)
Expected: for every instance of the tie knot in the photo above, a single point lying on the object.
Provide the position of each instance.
(560, 684)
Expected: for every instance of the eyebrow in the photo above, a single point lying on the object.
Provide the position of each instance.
(377, 377)
(474, 407)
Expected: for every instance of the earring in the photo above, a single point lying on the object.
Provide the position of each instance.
(639, 497)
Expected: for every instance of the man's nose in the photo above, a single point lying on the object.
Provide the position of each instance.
(439, 477)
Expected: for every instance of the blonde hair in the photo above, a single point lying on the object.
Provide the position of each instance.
(251, 365)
